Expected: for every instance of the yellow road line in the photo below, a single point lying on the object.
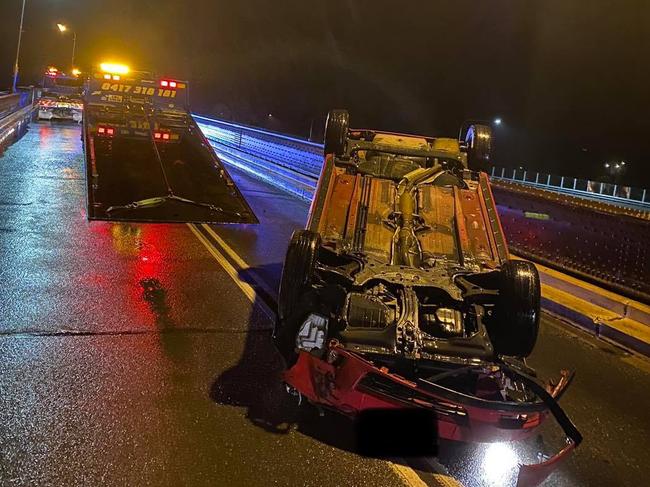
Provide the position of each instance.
(246, 288)
(407, 475)
(241, 262)
(411, 478)
(442, 479)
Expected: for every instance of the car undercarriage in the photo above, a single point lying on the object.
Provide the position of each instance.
(401, 293)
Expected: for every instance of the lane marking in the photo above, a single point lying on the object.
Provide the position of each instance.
(273, 293)
(444, 479)
(410, 476)
(405, 473)
(246, 288)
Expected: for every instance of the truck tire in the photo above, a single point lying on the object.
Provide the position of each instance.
(297, 275)
(479, 146)
(514, 325)
(336, 131)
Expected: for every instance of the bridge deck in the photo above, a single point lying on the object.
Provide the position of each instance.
(140, 354)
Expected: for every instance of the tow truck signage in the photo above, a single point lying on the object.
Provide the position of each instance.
(134, 89)
(146, 159)
(141, 90)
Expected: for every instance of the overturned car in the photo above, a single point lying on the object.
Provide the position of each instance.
(400, 292)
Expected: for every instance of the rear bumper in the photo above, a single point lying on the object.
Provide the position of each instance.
(351, 384)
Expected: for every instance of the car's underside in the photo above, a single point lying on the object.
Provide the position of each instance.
(400, 293)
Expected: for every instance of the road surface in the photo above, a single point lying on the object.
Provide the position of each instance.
(137, 354)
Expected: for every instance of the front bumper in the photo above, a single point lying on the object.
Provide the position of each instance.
(350, 384)
(54, 114)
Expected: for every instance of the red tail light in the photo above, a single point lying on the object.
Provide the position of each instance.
(104, 131)
(165, 136)
(166, 83)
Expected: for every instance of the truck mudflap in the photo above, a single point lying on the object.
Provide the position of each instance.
(350, 384)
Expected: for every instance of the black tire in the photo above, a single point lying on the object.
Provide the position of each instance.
(479, 147)
(336, 131)
(514, 325)
(297, 275)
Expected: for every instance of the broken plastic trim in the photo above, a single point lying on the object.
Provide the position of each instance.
(339, 382)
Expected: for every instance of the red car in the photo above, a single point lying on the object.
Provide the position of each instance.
(400, 293)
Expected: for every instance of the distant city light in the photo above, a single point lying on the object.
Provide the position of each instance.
(607, 165)
(76, 72)
(623, 163)
(270, 115)
(62, 28)
(497, 121)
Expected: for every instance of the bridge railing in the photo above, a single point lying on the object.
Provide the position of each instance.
(594, 240)
(288, 162)
(598, 190)
(15, 112)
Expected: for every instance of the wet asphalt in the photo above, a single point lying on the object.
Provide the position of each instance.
(128, 356)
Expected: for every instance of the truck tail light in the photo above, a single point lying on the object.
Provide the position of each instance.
(104, 131)
(165, 136)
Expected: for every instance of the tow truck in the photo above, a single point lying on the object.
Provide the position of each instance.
(146, 158)
(61, 96)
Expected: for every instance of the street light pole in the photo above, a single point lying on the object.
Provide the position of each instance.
(74, 45)
(64, 28)
(20, 37)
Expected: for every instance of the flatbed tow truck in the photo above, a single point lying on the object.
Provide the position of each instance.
(61, 96)
(146, 158)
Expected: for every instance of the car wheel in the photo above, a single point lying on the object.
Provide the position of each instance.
(336, 131)
(297, 274)
(479, 146)
(514, 325)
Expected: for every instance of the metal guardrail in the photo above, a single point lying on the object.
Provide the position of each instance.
(598, 242)
(290, 163)
(594, 240)
(9, 104)
(15, 113)
(584, 188)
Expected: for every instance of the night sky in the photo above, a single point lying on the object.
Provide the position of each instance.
(570, 78)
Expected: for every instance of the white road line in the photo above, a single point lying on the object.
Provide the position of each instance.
(246, 288)
(404, 472)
